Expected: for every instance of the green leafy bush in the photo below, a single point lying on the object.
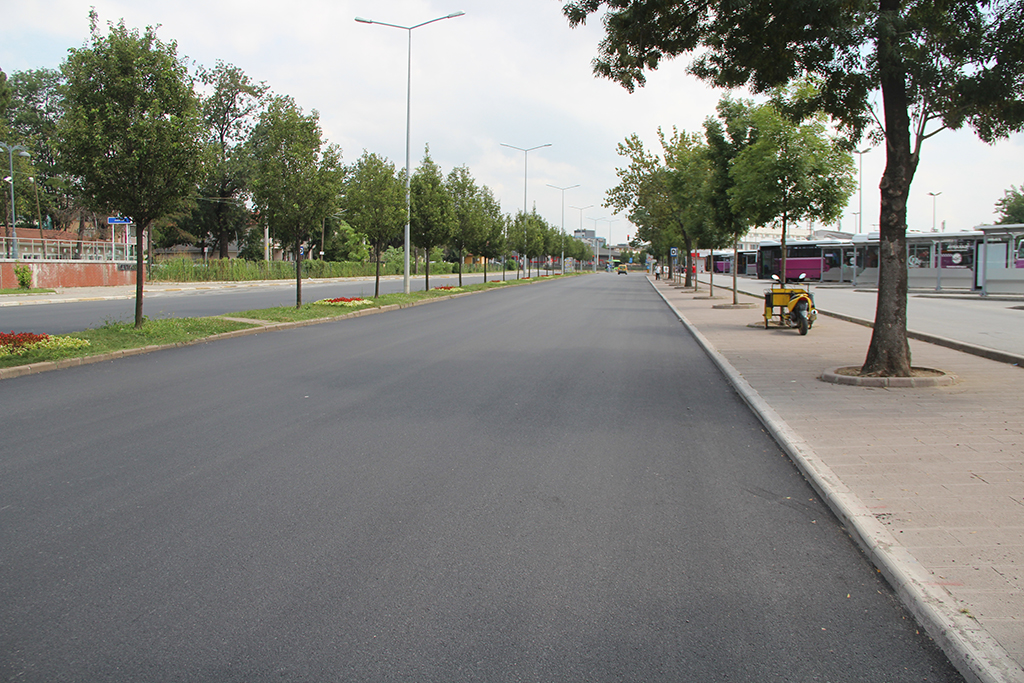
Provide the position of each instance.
(24, 275)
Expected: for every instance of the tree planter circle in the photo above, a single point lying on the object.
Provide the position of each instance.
(923, 377)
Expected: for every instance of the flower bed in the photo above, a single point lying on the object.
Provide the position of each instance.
(344, 301)
(449, 288)
(20, 343)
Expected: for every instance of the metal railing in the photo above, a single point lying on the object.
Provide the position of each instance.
(36, 249)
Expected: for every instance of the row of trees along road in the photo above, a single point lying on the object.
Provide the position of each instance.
(124, 128)
(935, 63)
(751, 166)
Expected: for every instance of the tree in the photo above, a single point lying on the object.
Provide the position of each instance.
(664, 195)
(5, 98)
(725, 137)
(343, 243)
(35, 108)
(432, 215)
(130, 131)
(1011, 206)
(297, 180)
(789, 172)
(937, 63)
(375, 204)
(468, 210)
(230, 110)
(490, 239)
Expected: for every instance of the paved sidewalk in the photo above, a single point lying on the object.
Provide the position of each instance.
(929, 481)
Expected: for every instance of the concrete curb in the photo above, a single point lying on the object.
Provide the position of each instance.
(975, 654)
(833, 376)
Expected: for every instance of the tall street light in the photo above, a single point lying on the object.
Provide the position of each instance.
(581, 209)
(563, 189)
(22, 152)
(39, 214)
(610, 221)
(408, 119)
(933, 195)
(597, 243)
(526, 161)
(860, 186)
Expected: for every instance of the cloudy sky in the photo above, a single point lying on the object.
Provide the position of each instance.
(507, 71)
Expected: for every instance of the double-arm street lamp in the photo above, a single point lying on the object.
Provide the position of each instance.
(526, 159)
(408, 119)
(22, 152)
(563, 189)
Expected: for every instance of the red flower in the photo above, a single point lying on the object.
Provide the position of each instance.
(17, 340)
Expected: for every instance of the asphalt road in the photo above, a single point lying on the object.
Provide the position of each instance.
(542, 483)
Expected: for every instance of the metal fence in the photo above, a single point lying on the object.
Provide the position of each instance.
(36, 249)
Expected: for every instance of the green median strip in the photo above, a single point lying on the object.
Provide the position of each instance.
(114, 337)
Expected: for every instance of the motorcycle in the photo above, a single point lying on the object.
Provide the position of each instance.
(794, 305)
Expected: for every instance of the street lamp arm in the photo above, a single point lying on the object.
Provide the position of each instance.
(363, 20)
(548, 144)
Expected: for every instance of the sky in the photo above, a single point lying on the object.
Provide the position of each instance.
(506, 72)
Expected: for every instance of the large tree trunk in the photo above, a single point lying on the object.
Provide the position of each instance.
(782, 261)
(298, 273)
(889, 352)
(224, 236)
(376, 287)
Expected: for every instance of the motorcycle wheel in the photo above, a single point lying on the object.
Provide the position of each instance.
(801, 318)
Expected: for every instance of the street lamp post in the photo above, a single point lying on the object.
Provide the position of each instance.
(581, 209)
(597, 243)
(933, 195)
(408, 120)
(610, 221)
(22, 152)
(563, 189)
(39, 213)
(860, 186)
(526, 161)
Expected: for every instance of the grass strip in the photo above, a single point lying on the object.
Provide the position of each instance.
(34, 290)
(121, 336)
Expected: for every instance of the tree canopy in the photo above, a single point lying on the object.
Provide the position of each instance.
(789, 172)
(231, 107)
(937, 64)
(297, 179)
(432, 215)
(374, 204)
(1011, 206)
(130, 130)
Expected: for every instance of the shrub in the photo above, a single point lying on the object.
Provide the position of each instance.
(20, 343)
(24, 275)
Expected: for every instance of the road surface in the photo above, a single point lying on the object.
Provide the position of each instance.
(542, 483)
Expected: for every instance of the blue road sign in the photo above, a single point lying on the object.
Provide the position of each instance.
(118, 220)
